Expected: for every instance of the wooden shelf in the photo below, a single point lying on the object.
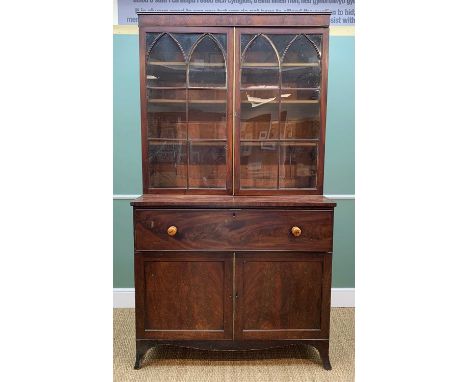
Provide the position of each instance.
(310, 89)
(261, 65)
(301, 142)
(179, 63)
(208, 64)
(261, 104)
(283, 142)
(193, 142)
(298, 64)
(288, 101)
(185, 87)
(274, 87)
(167, 101)
(261, 87)
(167, 63)
(244, 65)
(166, 87)
(207, 101)
(183, 100)
(301, 101)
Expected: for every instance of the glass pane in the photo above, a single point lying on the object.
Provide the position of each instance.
(150, 37)
(167, 164)
(281, 41)
(259, 165)
(166, 114)
(301, 50)
(260, 51)
(173, 75)
(260, 64)
(317, 39)
(186, 40)
(165, 49)
(207, 114)
(263, 77)
(222, 39)
(298, 165)
(300, 114)
(207, 165)
(207, 66)
(259, 114)
(166, 62)
(245, 39)
(207, 76)
(300, 76)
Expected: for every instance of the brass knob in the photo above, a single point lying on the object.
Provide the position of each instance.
(296, 231)
(172, 230)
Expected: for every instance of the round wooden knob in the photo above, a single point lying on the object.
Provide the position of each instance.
(296, 231)
(172, 230)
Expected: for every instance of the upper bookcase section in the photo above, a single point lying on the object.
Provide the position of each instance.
(233, 104)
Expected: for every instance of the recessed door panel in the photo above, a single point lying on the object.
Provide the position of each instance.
(184, 295)
(282, 295)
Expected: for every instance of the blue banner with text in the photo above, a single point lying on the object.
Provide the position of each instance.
(342, 10)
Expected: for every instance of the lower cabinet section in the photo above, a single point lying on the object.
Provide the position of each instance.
(232, 296)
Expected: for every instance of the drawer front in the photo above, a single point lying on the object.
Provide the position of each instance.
(233, 230)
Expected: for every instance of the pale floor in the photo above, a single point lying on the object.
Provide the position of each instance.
(294, 363)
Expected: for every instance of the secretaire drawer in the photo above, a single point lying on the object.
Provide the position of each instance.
(225, 229)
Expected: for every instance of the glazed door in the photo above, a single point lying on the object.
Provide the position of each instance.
(282, 296)
(280, 97)
(186, 90)
(184, 295)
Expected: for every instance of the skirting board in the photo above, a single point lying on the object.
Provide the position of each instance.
(340, 297)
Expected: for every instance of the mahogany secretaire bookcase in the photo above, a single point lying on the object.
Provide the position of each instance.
(233, 237)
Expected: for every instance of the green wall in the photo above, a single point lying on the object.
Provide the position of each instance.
(339, 154)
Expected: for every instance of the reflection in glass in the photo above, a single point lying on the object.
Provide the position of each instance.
(260, 50)
(259, 114)
(301, 50)
(167, 164)
(207, 164)
(207, 114)
(180, 117)
(260, 64)
(259, 165)
(166, 114)
(166, 62)
(317, 39)
(186, 40)
(260, 76)
(165, 49)
(207, 67)
(166, 75)
(298, 165)
(207, 76)
(281, 41)
(300, 76)
(300, 120)
(280, 110)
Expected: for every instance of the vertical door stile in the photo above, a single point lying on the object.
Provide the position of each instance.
(233, 296)
(234, 111)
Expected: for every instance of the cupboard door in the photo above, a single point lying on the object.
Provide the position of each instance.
(187, 110)
(183, 296)
(281, 108)
(282, 296)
